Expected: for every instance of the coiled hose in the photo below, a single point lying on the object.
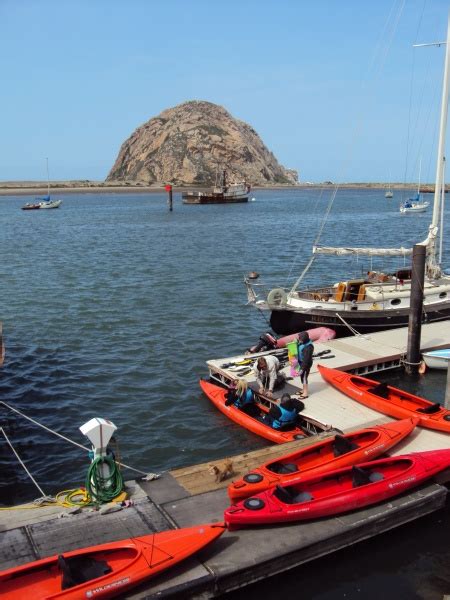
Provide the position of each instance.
(103, 489)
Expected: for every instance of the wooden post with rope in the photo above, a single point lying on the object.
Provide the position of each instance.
(413, 361)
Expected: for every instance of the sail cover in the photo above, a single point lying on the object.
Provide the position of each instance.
(362, 251)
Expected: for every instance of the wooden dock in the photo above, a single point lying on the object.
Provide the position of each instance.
(189, 495)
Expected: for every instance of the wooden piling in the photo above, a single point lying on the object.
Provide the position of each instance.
(415, 314)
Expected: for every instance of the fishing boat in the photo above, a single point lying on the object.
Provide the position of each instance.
(107, 570)
(332, 453)
(437, 359)
(388, 399)
(339, 491)
(306, 426)
(372, 302)
(224, 192)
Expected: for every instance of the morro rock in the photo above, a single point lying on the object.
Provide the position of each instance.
(190, 143)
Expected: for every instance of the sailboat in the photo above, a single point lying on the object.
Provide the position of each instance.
(415, 204)
(377, 301)
(389, 193)
(46, 201)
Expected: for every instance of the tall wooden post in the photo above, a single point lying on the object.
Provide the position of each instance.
(168, 188)
(415, 313)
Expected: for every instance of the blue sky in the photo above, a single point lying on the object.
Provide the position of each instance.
(333, 87)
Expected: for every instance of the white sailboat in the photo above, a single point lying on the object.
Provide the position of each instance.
(389, 193)
(415, 204)
(46, 202)
(376, 302)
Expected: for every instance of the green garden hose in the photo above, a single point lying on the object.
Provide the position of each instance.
(103, 489)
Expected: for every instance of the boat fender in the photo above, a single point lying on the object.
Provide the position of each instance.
(253, 478)
(276, 297)
(254, 503)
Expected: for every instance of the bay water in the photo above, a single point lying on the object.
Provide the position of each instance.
(111, 305)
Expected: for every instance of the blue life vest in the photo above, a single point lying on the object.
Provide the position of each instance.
(287, 417)
(301, 347)
(245, 399)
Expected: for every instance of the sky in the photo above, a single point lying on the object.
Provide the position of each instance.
(334, 88)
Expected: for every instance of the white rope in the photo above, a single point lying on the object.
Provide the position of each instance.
(352, 329)
(23, 464)
(66, 438)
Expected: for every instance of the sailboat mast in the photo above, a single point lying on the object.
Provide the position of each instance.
(432, 268)
(48, 181)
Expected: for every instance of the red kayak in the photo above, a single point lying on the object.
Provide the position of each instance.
(388, 400)
(306, 425)
(326, 455)
(338, 491)
(107, 570)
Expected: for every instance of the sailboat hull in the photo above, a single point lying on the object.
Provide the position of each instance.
(285, 322)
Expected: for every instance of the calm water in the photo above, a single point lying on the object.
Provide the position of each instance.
(111, 306)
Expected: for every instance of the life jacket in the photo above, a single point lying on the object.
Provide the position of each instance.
(301, 347)
(287, 417)
(245, 399)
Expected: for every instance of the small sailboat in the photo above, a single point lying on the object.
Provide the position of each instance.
(414, 204)
(45, 202)
(389, 193)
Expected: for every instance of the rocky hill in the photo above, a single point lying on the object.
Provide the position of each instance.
(190, 143)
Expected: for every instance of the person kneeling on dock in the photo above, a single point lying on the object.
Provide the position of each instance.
(242, 397)
(284, 416)
(267, 375)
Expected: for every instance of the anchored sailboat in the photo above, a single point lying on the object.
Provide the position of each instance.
(415, 204)
(378, 301)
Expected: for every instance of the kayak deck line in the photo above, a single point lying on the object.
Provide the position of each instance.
(189, 496)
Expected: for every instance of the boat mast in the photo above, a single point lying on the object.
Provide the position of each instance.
(48, 181)
(432, 268)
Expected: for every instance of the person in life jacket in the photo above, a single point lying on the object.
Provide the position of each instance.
(305, 359)
(267, 375)
(242, 397)
(284, 416)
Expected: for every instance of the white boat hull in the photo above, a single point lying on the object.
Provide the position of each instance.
(437, 359)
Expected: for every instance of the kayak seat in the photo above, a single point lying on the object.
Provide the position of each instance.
(303, 497)
(78, 569)
(360, 477)
(284, 468)
(429, 410)
(376, 476)
(342, 445)
(284, 494)
(380, 390)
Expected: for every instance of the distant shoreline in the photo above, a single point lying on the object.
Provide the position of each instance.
(30, 188)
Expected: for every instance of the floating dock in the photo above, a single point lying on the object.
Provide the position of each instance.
(189, 496)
